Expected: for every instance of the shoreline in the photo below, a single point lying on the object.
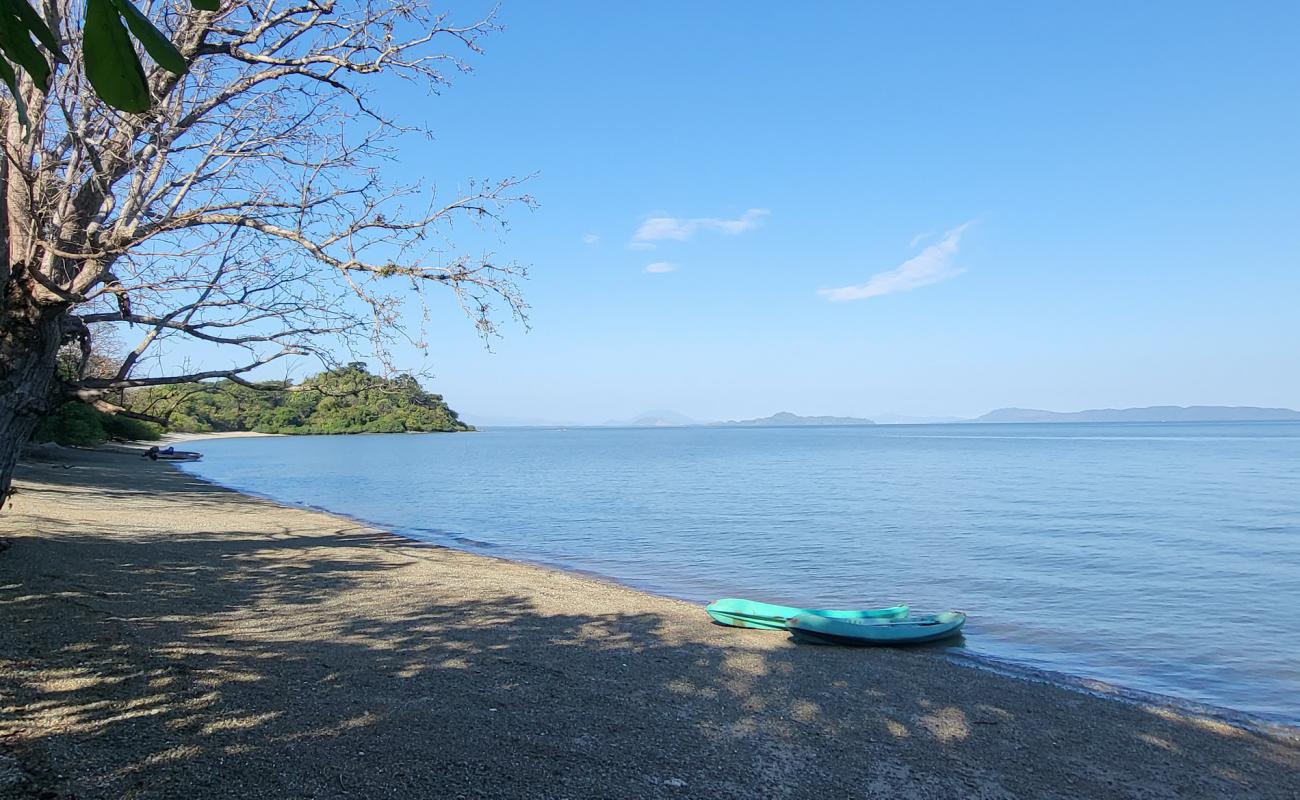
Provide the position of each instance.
(181, 438)
(967, 659)
(185, 631)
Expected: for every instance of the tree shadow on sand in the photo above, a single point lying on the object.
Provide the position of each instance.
(292, 661)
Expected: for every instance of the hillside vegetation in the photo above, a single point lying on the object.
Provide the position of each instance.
(344, 400)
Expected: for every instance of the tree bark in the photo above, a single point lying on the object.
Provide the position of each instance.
(30, 337)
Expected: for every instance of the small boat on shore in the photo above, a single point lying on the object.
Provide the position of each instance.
(180, 455)
(171, 454)
(740, 613)
(814, 629)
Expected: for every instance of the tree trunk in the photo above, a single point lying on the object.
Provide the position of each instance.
(29, 349)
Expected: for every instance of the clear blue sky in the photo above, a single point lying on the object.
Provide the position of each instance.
(1127, 175)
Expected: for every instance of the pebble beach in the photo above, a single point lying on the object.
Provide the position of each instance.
(161, 636)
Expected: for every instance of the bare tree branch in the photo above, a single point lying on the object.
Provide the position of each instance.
(258, 141)
(247, 211)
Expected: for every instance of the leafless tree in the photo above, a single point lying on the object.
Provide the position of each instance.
(245, 210)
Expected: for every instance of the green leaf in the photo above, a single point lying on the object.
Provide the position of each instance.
(156, 44)
(36, 25)
(206, 5)
(11, 80)
(17, 45)
(111, 63)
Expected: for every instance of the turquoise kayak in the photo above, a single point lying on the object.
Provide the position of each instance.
(750, 614)
(814, 629)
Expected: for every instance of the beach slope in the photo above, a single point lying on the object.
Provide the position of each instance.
(163, 637)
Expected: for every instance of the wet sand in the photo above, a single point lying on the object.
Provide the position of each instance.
(163, 637)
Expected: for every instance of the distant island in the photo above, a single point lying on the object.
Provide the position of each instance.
(1147, 414)
(782, 418)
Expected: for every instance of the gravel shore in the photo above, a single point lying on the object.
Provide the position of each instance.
(162, 637)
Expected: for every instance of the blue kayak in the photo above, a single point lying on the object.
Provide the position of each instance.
(814, 629)
(751, 614)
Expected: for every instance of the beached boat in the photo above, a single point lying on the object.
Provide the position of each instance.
(751, 614)
(815, 629)
(180, 455)
(171, 454)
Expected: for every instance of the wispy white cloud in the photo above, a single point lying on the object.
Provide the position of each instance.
(931, 265)
(590, 238)
(920, 237)
(661, 266)
(640, 246)
(659, 228)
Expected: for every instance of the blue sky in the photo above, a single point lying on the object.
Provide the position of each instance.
(850, 208)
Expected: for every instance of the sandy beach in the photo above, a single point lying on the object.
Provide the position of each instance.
(164, 637)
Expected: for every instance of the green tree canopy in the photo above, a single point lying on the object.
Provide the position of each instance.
(347, 399)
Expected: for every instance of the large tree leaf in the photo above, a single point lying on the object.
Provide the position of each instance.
(158, 46)
(111, 63)
(17, 45)
(11, 80)
(36, 25)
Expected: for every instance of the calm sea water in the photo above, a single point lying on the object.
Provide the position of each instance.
(1163, 558)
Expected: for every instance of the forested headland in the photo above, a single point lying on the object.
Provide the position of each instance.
(347, 399)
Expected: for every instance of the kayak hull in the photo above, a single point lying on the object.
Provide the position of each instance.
(739, 613)
(812, 629)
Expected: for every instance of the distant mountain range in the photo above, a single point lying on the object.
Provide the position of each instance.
(480, 421)
(786, 418)
(664, 418)
(907, 419)
(655, 419)
(1148, 414)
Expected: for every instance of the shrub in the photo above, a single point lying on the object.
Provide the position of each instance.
(76, 424)
(72, 424)
(117, 426)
